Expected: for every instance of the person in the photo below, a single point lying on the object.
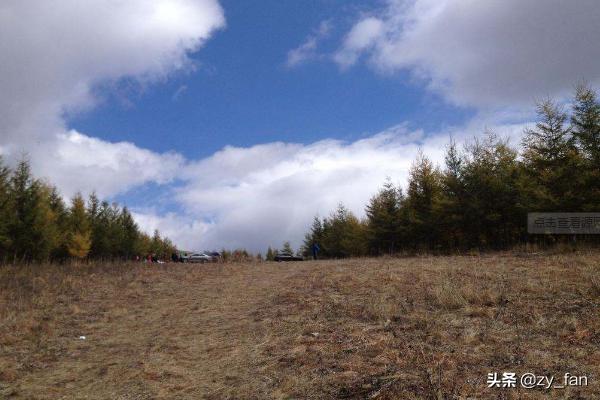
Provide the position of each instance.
(315, 250)
(174, 257)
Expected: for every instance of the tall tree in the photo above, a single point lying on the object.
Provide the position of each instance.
(343, 234)
(551, 162)
(32, 226)
(270, 255)
(423, 196)
(314, 236)
(585, 121)
(453, 199)
(383, 219)
(79, 242)
(491, 208)
(287, 248)
(5, 211)
(130, 234)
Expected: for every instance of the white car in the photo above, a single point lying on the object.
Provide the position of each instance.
(199, 258)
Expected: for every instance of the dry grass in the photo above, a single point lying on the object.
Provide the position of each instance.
(411, 328)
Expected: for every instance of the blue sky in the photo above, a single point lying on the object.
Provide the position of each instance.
(232, 123)
(242, 93)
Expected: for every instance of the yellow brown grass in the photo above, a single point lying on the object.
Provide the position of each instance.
(408, 328)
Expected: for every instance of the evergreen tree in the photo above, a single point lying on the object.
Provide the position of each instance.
(383, 220)
(492, 214)
(343, 234)
(79, 241)
(6, 207)
(314, 236)
(270, 256)
(287, 248)
(130, 235)
(585, 122)
(423, 197)
(453, 200)
(100, 224)
(32, 223)
(551, 162)
(58, 207)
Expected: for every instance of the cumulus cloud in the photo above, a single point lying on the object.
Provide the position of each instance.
(79, 161)
(54, 55)
(483, 53)
(308, 49)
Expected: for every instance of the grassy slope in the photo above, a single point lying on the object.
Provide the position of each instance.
(370, 328)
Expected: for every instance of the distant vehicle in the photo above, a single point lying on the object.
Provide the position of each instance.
(214, 254)
(287, 257)
(199, 258)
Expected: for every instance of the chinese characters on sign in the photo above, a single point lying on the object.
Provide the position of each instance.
(564, 223)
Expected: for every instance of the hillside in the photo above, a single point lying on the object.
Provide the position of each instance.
(423, 327)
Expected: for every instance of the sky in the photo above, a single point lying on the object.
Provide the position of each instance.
(231, 124)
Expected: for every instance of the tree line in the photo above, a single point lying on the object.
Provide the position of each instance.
(37, 225)
(481, 196)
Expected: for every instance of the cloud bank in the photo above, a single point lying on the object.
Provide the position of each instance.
(482, 53)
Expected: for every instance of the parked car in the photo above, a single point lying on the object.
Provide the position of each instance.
(215, 255)
(287, 257)
(199, 258)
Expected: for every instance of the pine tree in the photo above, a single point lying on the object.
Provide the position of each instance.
(452, 200)
(57, 205)
(130, 235)
(32, 224)
(383, 219)
(287, 248)
(423, 196)
(492, 213)
(585, 121)
(343, 234)
(79, 242)
(551, 162)
(6, 214)
(270, 256)
(314, 236)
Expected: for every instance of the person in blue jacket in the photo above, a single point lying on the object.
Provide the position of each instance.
(315, 250)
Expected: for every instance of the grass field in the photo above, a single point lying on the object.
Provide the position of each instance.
(405, 328)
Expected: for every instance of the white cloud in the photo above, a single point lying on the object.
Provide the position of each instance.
(182, 230)
(54, 54)
(483, 53)
(361, 38)
(308, 50)
(81, 162)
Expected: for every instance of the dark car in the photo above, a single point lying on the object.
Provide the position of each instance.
(287, 257)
